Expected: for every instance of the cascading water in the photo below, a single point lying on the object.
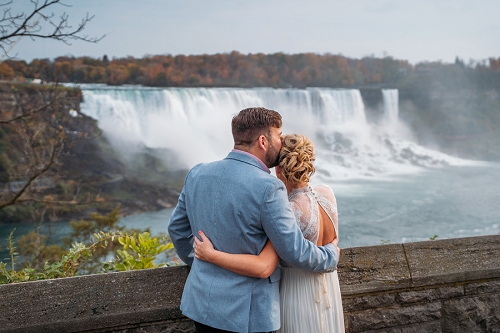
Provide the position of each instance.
(194, 123)
(391, 105)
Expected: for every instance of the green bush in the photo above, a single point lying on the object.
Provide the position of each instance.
(88, 252)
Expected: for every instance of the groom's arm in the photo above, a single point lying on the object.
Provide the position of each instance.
(281, 227)
(180, 232)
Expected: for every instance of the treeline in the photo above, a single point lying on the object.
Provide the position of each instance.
(229, 70)
(219, 70)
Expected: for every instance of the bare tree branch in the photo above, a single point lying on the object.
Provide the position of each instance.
(45, 168)
(39, 137)
(38, 124)
(29, 113)
(16, 26)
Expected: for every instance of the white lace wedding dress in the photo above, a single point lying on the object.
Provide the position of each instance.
(311, 302)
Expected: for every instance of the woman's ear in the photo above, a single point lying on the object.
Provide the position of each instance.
(279, 174)
(278, 170)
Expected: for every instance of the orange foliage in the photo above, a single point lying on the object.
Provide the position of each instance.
(6, 71)
(495, 64)
(345, 71)
(117, 74)
(223, 69)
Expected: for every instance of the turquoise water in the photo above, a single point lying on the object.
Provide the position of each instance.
(451, 202)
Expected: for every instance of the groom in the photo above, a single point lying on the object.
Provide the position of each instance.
(239, 206)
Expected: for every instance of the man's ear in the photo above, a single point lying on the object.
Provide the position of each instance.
(262, 142)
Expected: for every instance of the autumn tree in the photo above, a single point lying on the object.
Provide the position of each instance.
(495, 64)
(6, 72)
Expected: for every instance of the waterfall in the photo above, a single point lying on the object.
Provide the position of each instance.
(391, 105)
(194, 124)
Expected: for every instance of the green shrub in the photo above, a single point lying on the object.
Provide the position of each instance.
(88, 251)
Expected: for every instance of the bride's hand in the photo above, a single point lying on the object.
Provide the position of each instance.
(203, 249)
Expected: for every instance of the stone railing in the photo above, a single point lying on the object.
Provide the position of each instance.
(436, 286)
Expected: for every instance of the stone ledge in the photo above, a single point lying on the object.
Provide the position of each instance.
(93, 301)
(373, 268)
(453, 260)
(399, 266)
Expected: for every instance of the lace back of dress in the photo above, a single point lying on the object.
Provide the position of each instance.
(306, 217)
(304, 203)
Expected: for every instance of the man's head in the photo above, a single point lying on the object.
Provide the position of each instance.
(254, 124)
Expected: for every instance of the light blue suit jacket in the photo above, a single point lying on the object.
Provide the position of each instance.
(238, 206)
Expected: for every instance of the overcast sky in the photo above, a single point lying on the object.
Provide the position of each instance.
(423, 30)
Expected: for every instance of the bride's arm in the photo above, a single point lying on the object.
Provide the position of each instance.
(259, 266)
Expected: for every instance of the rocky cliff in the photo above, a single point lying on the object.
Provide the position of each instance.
(87, 171)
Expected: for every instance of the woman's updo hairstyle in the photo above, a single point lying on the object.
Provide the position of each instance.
(296, 158)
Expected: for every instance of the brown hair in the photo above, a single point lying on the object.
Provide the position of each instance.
(250, 123)
(296, 158)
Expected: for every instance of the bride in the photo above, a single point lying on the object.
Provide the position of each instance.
(310, 302)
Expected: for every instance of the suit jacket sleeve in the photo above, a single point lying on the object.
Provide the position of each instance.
(280, 226)
(180, 232)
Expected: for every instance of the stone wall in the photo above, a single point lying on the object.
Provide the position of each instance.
(436, 286)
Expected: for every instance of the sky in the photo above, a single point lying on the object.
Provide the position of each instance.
(424, 30)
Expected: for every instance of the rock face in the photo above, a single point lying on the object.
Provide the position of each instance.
(434, 286)
(87, 161)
